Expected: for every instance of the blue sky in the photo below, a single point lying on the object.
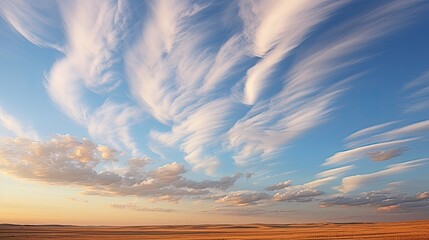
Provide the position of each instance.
(274, 111)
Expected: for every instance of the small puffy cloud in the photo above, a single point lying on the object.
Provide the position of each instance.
(222, 184)
(352, 183)
(243, 198)
(138, 163)
(280, 185)
(301, 194)
(168, 173)
(384, 155)
(135, 207)
(106, 152)
(381, 200)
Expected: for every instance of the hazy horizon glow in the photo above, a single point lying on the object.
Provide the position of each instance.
(186, 112)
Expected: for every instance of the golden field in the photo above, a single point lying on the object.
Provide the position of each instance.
(397, 230)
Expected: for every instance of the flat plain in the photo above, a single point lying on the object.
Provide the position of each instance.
(396, 230)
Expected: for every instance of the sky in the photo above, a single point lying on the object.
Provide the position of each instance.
(192, 112)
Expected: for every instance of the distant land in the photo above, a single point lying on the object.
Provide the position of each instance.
(393, 230)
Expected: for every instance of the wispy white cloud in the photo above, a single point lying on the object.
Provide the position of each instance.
(229, 57)
(94, 31)
(111, 123)
(167, 62)
(319, 182)
(274, 29)
(174, 76)
(369, 130)
(202, 131)
(352, 183)
(267, 128)
(372, 135)
(29, 19)
(414, 129)
(335, 171)
(12, 124)
(418, 90)
(365, 151)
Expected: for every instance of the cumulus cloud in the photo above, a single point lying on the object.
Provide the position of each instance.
(66, 160)
(280, 185)
(302, 194)
(352, 183)
(362, 152)
(383, 202)
(243, 198)
(221, 184)
(134, 207)
(12, 124)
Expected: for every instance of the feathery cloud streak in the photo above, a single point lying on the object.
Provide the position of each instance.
(10, 123)
(352, 183)
(302, 104)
